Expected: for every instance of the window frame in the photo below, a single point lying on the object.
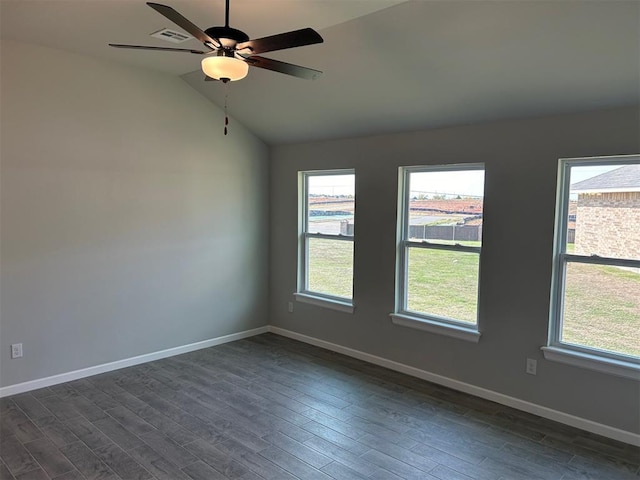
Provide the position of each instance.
(303, 293)
(556, 350)
(422, 320)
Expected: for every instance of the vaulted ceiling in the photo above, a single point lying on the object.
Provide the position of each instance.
(389, 65)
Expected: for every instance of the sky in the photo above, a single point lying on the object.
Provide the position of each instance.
(332, 184)
(444, 182)
(465, 183)
(450, 183)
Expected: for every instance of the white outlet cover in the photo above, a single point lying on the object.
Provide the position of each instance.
(532, 366)
(16, 350)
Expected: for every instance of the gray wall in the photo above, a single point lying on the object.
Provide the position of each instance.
(521, 159)
(130, 224)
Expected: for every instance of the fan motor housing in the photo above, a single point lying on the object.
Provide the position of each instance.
(228, 36)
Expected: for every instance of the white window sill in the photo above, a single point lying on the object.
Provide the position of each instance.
(341, 306)
(455, 331)
(592, 362)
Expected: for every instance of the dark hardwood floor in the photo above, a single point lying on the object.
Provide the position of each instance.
(273, 408)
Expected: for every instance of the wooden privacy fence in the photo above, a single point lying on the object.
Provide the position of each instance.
(463, 233)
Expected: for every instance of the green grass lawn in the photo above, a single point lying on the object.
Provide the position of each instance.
(331, 267)
(444, 283)
(602, 305)
(602, 308)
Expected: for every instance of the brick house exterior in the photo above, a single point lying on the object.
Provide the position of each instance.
(608, 214)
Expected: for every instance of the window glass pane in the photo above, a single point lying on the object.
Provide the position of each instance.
(331, 204)
(443, 283)
(446, 206)
(604, 211)
(330, 267)
(602, 307)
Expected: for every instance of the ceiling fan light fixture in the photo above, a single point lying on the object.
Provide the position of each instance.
(222, 67)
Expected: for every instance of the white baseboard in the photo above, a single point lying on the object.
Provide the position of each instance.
(565, 418)
(127, 362)
(561, 417)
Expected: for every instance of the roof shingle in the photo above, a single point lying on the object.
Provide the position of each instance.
(626, 178)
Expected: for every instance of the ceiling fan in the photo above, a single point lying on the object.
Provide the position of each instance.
(230, 52)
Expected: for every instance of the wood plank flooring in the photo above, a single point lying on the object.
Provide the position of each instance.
(272, 408)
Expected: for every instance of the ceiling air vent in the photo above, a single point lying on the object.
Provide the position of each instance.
(171, 35)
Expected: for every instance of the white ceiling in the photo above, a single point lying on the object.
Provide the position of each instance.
(389, 65)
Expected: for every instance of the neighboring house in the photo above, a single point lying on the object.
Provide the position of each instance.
(608, 214)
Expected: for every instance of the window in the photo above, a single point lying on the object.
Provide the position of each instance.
(327, 206)
(595, 305)
(440, 237)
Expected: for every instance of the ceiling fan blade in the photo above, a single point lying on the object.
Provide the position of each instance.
(185, 24)
(282, 67)
(297, 38)
(165, 49)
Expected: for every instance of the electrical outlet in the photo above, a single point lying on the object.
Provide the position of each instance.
(290, 307)
(16, 350)
(532, 366)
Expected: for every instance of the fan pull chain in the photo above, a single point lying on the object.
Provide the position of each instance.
(226, 117)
